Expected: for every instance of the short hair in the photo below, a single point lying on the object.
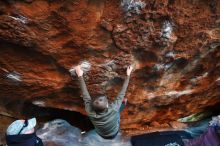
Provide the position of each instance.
(98, 107)
(98, 96)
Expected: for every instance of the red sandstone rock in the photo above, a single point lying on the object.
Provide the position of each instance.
(43, 39)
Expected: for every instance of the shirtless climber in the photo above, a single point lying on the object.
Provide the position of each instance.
(104, 116)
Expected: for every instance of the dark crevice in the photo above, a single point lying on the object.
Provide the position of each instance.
(45, 114)
(145, 56)
(114, 82)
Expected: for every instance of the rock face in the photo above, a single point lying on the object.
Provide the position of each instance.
(173, 44)
(61, 133)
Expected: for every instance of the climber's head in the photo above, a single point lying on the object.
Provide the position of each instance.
(100, 103)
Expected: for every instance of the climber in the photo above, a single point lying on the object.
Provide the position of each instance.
(22, 133)
(104, 116)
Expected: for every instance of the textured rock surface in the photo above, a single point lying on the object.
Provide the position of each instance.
(174, 44)
(61, 133)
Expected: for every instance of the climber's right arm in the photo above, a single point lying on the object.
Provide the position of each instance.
(85, 93)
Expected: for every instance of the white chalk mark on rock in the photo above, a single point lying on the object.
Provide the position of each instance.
(14, 76)
(20, 18)
(39, 103)
(178, 93)
(168, 65)
(166, 30)
(170, 93)
(133, 5)
(109, 65)
(170, 55)
(85, 66)
(199, 77)
(151, 95)
(159, 67)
